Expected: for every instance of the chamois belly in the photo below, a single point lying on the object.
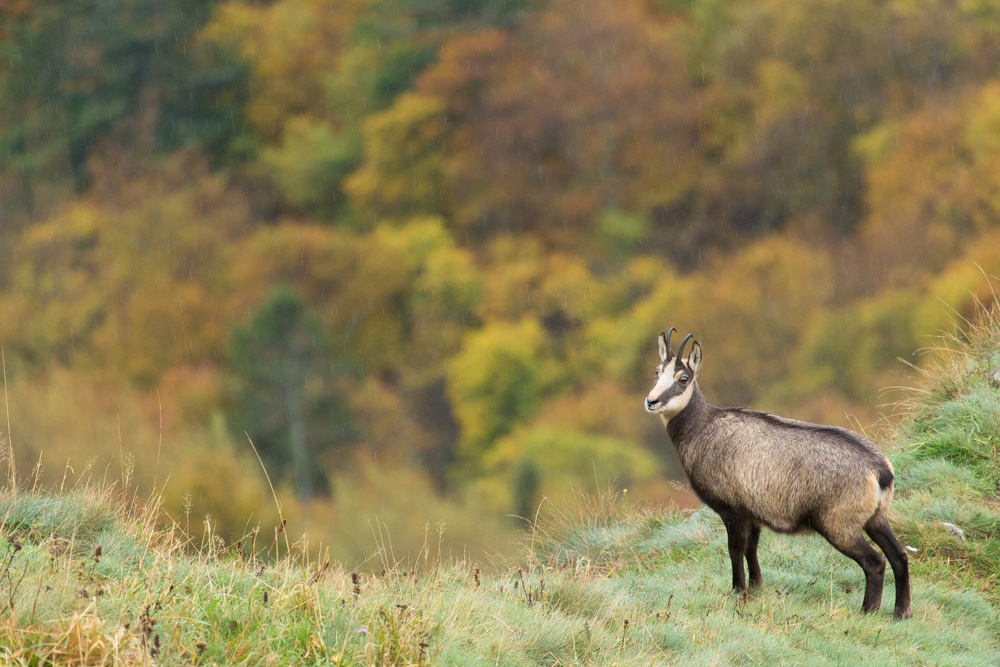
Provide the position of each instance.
(769, 502)
(803, 527)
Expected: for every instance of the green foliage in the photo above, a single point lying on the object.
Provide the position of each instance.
(620, 231)
(310, 164)
(134, 71)
(283, 371)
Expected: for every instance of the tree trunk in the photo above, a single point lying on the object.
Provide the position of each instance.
(297, 438)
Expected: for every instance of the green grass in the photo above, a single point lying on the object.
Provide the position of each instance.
(622, 586)
(86, 578)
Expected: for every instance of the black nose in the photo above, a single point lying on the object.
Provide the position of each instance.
(649, 403)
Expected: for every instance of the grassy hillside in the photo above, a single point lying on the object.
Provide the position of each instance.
(83, 579)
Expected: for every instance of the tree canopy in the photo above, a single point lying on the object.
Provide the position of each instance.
(441, 235)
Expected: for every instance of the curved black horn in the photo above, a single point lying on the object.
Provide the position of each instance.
(680, 352)
(670, 333)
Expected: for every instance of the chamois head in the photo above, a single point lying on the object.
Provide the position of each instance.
(675, 377)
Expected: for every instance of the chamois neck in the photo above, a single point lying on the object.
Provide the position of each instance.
(690, 419)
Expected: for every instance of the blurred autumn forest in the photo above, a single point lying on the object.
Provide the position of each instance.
(418, 250)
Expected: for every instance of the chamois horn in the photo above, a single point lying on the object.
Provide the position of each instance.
(680, 352)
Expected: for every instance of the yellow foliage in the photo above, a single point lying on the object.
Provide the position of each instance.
(750, 311)
(562, 463)
(129, 276)
(599, 407)
(401, 173)
(358, 283)
(414, 240)
(451, 282)
(445, 300)
(932, 186)
(292, 46)
(965, 284)
(524, 280)
(982, 130)
(782, 87)
(496, 382)
(623, 347)
(53, 301)
(400, 297)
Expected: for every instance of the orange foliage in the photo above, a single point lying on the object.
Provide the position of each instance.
(545, 128)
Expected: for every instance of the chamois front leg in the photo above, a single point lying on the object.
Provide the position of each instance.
(752, 565)
(738, 529)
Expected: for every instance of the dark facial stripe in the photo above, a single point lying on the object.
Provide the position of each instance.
(673, 390)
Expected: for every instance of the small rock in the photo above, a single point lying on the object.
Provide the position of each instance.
(910, 549)
(954, 530)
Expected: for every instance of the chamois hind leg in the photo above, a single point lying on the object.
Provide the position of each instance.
(752, 565)
(878, 529)
(870, 561)
(738, 528)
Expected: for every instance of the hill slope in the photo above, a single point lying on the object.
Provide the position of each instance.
(83, 580)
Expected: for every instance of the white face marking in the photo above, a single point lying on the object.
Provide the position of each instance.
(676, 404)
(670, 376)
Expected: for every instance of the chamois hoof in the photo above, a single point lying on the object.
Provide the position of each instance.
(900, 614)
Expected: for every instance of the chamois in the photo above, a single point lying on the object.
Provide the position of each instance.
(757, 469)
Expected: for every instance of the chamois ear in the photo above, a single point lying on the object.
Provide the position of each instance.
(664, 349)
(694, 359)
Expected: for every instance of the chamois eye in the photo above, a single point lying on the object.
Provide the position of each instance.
(656, 372)
(684, 379)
